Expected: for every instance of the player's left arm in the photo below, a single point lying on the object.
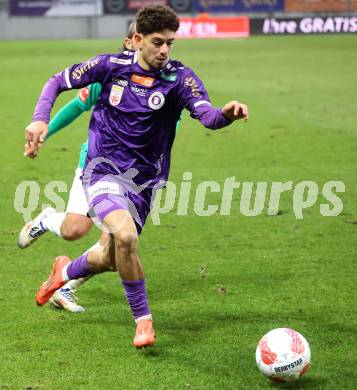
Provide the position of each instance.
(84, 101)
(76, 76)
(195, 98)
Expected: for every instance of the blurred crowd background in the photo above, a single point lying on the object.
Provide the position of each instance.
(51, 19)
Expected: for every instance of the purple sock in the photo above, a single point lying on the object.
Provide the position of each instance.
(79, 268)
(136, 295)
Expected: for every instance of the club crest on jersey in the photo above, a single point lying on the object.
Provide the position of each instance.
(156, 100)
(115, 95)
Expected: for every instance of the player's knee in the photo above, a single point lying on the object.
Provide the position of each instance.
(75, 226)
(73, 232)
(126, 239)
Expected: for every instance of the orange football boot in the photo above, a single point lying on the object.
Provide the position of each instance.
(145, 334)
(54, 281)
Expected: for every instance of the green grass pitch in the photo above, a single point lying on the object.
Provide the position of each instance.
(259, 273)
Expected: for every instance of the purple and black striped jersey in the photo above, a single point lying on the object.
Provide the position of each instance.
(133, 123)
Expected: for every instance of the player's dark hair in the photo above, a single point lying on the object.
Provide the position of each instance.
(156, 18)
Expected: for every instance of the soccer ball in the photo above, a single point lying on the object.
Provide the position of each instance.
(283, 355)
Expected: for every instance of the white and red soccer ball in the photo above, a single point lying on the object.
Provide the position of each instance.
(283, 355)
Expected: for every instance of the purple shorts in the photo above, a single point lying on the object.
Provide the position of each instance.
(105, 197)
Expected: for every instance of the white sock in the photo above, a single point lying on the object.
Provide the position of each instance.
(53, 223)
(76, 283)
(146, 317)
(64, 273)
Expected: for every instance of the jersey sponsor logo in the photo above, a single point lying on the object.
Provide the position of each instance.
(156, 100)
(79, 72)
(121, 82)
(192, 83)
(115, 95)
(142, 80)
(83, 94)
(103, 187)
(120, 61)
(139, 91)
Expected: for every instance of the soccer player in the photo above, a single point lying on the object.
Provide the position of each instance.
(131, 133)
(75, 222)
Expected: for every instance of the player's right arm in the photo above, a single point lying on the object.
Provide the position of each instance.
(75, 77)
(85, 100)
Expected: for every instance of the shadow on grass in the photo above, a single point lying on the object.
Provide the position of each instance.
(217, 360)
(153, 353)
(302, 383)
(184, 340)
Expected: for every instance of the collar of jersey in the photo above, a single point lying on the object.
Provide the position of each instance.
(135, 67)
